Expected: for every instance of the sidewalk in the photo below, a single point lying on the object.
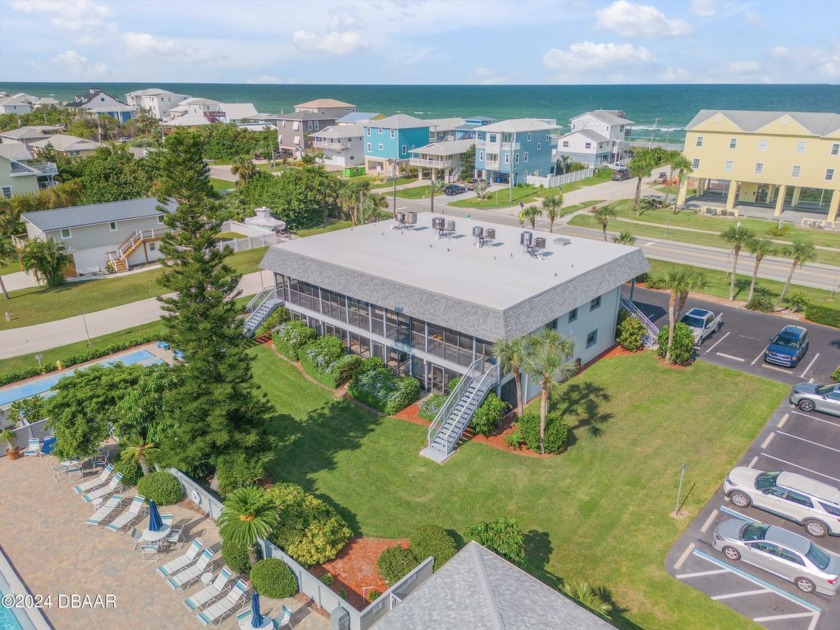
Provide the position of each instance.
(19, 280)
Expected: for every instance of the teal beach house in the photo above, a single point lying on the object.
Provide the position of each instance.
(388, 142)
(510, 149)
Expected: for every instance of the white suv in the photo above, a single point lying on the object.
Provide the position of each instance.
(814, 504)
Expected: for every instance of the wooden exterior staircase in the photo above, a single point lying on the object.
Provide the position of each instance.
(119, 258)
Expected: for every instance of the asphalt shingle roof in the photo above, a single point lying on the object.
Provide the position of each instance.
(399, 121)
(518, 125)
(78, 216)
(818, 123)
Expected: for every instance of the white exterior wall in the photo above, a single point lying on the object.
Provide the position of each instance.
(160, 106)
(613, 132)
(23, 108)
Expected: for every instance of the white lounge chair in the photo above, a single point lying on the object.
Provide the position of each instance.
(113, 486)
(82, 488)
(283, 619)
(105, 510)
(221, 609)
(33, 448)
(137, 507)
(187, 576)
(173, 566)
(203, 596)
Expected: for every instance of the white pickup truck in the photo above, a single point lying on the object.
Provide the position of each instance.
(702, 323)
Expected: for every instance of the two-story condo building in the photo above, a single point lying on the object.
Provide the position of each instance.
(388, 142)
(155, 101)
(596, 137)
(20, 174)
(508, 150)
(95, 102)
(342, 145)
(329, 107)
(779, 160)
(443, 129)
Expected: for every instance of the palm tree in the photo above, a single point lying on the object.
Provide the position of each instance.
(510, 354)
(372, 204)
(531, 213)
(436, 186)
(676, 160)
(640, 165)
(739, 237)
(680, 281)
(548, 361)
(248, 515)
(603, 215)
(8, 253)
(759, 247)
(624, 238)
(801, 252)
(46, 259)
(552, 206)
(139, 451)
(244, 169)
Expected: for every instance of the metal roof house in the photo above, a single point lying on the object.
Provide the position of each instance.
(431, 295)
(119, 233)
(507, 151)
(342, 145)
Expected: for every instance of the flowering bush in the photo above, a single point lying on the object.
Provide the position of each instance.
(431, 405)
(291, 337)
(317, 356)
(344, 369)
(382, 390)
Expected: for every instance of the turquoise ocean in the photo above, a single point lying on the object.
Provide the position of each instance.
(673, 105)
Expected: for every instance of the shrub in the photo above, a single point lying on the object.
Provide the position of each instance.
(556, 432)
(327, 579)
(488, 415)
(430, 406)
(835, 375)
(280, 315)
(162, 487)
(656, 283)
(514, 438)
(309, 530)
(631, 334)
(342, 593)
(373, 595)
(236, 470)
(682, 347)
(291, 337)
(131, 471)
(30, 409)
(273, 578)
(370, 364)
(453, 383)
(382, 390)
(798, 301)
(317, 356)
(395, 563)
(760, 302)
(431, 540)
(407, 391)
(236, 557)
(344, 369)
(823, 315)
(780, 229)
(504, 536)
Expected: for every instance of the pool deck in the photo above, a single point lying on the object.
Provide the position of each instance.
(43, 530)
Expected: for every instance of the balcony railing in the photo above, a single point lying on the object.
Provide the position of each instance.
(511, 146)
(326, 144)
(33, 168)
(426, 163)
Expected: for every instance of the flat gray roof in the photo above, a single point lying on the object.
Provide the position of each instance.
(502, 290)
(78, 216)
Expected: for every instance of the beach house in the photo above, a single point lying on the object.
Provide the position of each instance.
(13, 105)
(29, 134)
(329, 107)
(294, 130)
(95, 102)
(388, 142)
(155, 101)
(596, 137)
(342, 145)
(508, 150)
(445, 158)
(71, 146)
(20, 173)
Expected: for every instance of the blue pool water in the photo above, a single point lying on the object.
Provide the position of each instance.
(45, 383)
(8, 621)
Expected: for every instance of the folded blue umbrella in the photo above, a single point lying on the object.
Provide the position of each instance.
(257, 620)
(155, 522)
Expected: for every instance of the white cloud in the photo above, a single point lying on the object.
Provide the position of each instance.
(589, 56)
(81, 66)
(344, 20)
(779, 52)
(146, 45)
(639, 20)
(485, 76)
(704, 8)
(743, 67)
(676, 75)
(69, 15)
(334, 43)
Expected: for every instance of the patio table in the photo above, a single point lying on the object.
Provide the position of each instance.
(150, 536)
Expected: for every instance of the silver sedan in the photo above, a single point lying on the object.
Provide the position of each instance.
(811, 396)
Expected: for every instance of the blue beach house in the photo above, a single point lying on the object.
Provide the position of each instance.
(514, 148)
(388, 142)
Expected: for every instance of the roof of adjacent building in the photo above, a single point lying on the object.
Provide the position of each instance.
(193, 119)
(16, 151)
(29, 132)
(818, 123)
(82, 100)
(238, 111)
(62, 142)
(399, 121)
(354, 117)
(499, 289)
(518, 125)
(588, 133)
(79, 216)
(195, 100)
(445, 124)
(479, 589)
(12, 100)
(154, 92)
(609, 116)
(339, 131)
(325, 103)
(446, 147)
(303, 116)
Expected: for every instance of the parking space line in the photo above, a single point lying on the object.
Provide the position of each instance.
(767, 440)
(685, 576)
(814, 360)
(717, 342)
(709, 520)
(752, 463)
(729, 356)
(802, 439)
(816, 472)
(760, 354)
(681, 560)
(783, 420)
(743, 517)
(810, 417)
(778, 617)
(745, 593)
(773, 367)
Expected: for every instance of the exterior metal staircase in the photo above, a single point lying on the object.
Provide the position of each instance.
(258, 310)
(650, 339)
(455, 415)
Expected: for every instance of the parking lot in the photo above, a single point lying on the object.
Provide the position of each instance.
(808, 444)
(740, 342)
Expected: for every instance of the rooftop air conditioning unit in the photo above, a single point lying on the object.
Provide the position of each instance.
(526, 239)
(490, 234)
(411, 218)
(438, 225)
(539, 242)
(450, 226)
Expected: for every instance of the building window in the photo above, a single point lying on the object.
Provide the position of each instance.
(492, 137)
(113, 226)
(800, 147)
(794, 172)
(507, 158)
(596, 303)
(526, 156)
(728, 166)
(7, 191)
(309, 125)
(317, 125)
(152, 247)
(160, 219)
(404, 149)
(588, 145)
(379, 129)
(283, 123)
(296, 125)
(368, 131)
(539, 146)
(381, 147)
(699, 141)
(829, 174)
(516, 158)
(65, 233)
(759, 168)
(481, 156)
(572, 315)
(369, 147)
(529, 137)
(835, 148)
(592, 338)
(297, 140)
(733, 143)
(762, 145)
(695, 163)
(393, 134)
(565, 144)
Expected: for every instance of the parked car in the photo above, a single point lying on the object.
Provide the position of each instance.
(780, 552)
(788, 347)
(469, 184)
(454, 189)
(661, 178)
(811, 396)
(814, 504)
(620, 175)
(702, 323)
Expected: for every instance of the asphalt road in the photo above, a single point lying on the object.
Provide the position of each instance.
(741, 341)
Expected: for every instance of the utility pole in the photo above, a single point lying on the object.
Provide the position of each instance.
(653, 132)
(510, 174)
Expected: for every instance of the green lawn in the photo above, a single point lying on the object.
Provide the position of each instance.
(600, 512)
(389, 183)
(579, 206)
(39, 305)
(417, 192)
(227, 236)
(598, 178)
(501, 198)
(221, 184)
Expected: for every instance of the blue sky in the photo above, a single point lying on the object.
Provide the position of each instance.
(421, 42)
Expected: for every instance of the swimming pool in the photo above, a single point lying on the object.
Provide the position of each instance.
(17, 619)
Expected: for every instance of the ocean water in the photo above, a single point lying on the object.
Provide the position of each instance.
(668, 107)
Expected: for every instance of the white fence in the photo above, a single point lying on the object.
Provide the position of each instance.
(250, 242)
(24, 432)
(552, 181)
(245, 229)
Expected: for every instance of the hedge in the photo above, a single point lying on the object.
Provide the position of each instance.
(273, 578)
(317, 356)
(631, 334)
(382, 390)
(236, 557)
(162, 487)
(291, 337)
(556, 432)
(682, 346)
(395, 563)
(431, 405)
(131, 471)
(344, 369)
(431, 540)
(823, 315)
(280, 315)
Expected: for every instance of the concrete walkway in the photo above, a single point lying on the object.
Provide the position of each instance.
(19, 280)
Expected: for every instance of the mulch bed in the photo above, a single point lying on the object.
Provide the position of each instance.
(355, 569)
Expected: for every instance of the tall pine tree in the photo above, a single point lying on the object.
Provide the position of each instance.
(215, 408)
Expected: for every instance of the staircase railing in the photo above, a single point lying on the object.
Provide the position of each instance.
(130, 244)
(473, 370)
(652, 335)
(258, 300)
(487, 380)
